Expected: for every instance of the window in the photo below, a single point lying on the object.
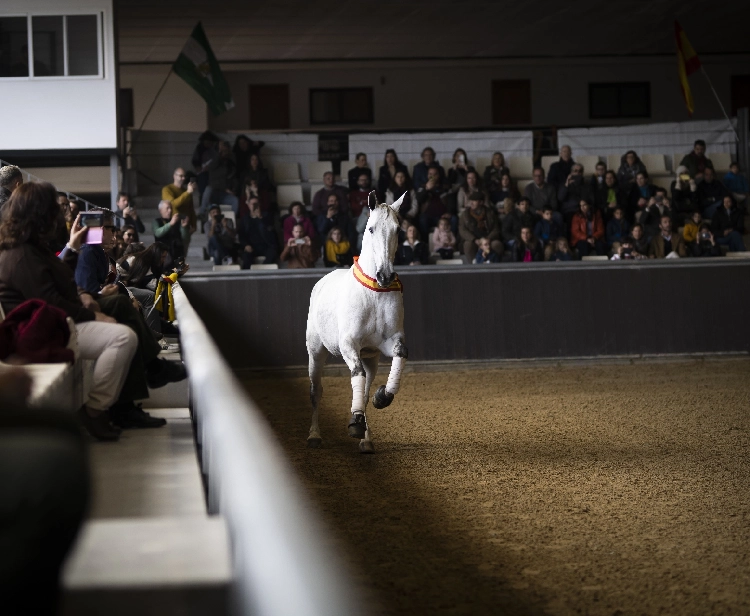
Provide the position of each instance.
(58, 46)
(619, 100)
(341, 106)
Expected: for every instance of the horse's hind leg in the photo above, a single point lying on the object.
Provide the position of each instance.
(317, 359)
(371, 369)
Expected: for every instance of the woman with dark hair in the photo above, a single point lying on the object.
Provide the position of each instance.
(505, 190)
(400, 185)
(147, 266)
(469, 187)
(493, 172)
(527, 247)
(257, 184)
(412, 251)
(203, 154)
(457, 173)
(630, 167)
(387, 174)
(30, 270)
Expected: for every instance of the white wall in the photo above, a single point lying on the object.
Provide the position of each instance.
(61, 112)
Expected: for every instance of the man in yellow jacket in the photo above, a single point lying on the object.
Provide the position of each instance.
(181, 198)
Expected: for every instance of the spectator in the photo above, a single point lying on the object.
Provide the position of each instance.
(258, 184)
(244, 148)
(145, 267)
(298, 252)
(696, 162)
(547, 230)
(128, 236)
(608, 196)
(75, 207)
(506, 208)
(431, 202)
(562, 251)
(338, 252)
(387, 173)
(443, 240)
(222, 180)
(494, 172)
(222, 237)
(358, 198)
(666, 245)
(360, 167)
(630, 167)
(640, 241)
(699, 239)
(710, 193)
(684, 192)
(527, 248)
(626, 251)
(485, 254)
(457, 173)
(334, 217)
(728, 225)
(658, 206)
(506, 190)
(399, 187)
(412, 251)
(541, 194)
(597, 180)
(419, 177)
(255, 237)
(514, 221)
(297, 216)
(10, 179)
(479, 221)
(736, 183)
(617, 230)
(129, 215)
(180, 197)
(560, 171)
(573, 191)
(587, 230)
(640, 195)
(172, 231)
(203, 155)
(321, 198)
(469, 188)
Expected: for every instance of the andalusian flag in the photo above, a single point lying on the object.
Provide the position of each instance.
(687, 64)
(197, 65)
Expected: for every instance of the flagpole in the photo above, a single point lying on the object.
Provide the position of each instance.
(718, 100)
(153, 102)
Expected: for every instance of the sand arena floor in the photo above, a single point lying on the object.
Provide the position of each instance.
(621, 489)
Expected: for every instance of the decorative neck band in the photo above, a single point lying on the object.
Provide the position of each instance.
(371, 283)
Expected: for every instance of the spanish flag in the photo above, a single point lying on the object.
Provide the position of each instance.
(687, 64)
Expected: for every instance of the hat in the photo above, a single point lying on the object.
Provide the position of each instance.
(214, 207)
(682, 169)
(476, 196)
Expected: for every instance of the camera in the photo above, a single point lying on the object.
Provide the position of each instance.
(705, 235)
(659, 199)
(461, 158)
(93, 221)
(299, 241)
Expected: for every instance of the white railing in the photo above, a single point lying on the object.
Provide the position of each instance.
(281, 565)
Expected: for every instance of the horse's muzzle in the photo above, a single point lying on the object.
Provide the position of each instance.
(384, 280)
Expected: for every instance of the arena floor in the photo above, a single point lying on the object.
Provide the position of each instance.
(618, 489)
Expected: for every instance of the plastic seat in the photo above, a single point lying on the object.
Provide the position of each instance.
(520, 166)
(677, 158)
(412, 163)
(588, 162)
(547, 162)
(447, 163)
(288, 193)
(286, 173)
(482, 163)
(663, 181)
(346, 165)
(226, 268)
(595, 258)
(449, 262)
(656, 164)
(522, 184)
(316, 169)
(613, 162)
(259, 260)
(721, 161)
(738, 255)
(264, 266)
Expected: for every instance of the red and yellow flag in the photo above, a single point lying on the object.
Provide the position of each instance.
(687, 63)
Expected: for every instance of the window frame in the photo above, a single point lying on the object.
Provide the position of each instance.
(369, 89)
(30, 44)
(619, 85)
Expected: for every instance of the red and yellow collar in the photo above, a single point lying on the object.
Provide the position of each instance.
(371, 283)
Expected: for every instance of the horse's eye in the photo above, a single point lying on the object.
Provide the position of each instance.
(372, 230)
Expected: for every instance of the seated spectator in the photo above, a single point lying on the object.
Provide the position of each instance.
(728, 225)
(696, 162)
(360, 167)
(258, 184)
(223, 184)
(562, 251)
(419, 176)
(710, 193)
(338, 252)
(597, 180)
(666, 244)
(547, 230)
(412, 251)
(358, 198)
(626, 251)
(507, 207)
(241, 150)
(494, 172)
(222, 237)
(573, 190)
(617, 229)
(587, 231)
(640, 241)
(630, 167)
(699, 239)
(469, 188)
(506, 190)
(321, 198)
(387, 173)
(485, 254)
(736, 183)
(684, 193)
(399, 187)
(658, 206)
(11, 178)
(608, 196)
(457, 173)
(204, 153)
(431, 202)
(129, 236)
(479, 221)
(334, 217)
(75, 207)
(298, 216)
(129, 215)
(541, 194)
(560, 171)
(256, 239)
(172, 230)
(640, 196)
(298, 252)
(180, 197)
(527, 248)
(144, 268)
(443, 240)
(514, 221)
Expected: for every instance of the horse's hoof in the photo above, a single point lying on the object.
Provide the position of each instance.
(382, 398)
(314, 442)
(366, 447)
(357, 425)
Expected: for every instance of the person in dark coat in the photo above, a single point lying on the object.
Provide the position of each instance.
(412, 251)
(728, 225)
(255, 237)
(419, 177)
(527, 248)
(630, 167)
(609, 195)
(387, 173)
(640, 196)
(559, 171)
(359, 168)
(573, 190)
(710, 193)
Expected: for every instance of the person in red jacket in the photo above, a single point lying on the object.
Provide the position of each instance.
(587, 230)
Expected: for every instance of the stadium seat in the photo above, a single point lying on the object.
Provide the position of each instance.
(663, 181)
(738, 255)
(613, 162)
(449, 262)
(286, 173)
(412, 162)
(595, 258)
(520, 166)
(259, 260)
(547, 161)
(226, 268)
(676, 158)
(521, 184)
(345, 166)
(447, 163)
(316, 169)
(286, 193)
(588, 162)
(264, 266)
(721, 161)
(656, 164)
(229, 214)
(314, 187)
(482, 163)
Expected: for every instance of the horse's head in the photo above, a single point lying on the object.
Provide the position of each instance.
(381, 237)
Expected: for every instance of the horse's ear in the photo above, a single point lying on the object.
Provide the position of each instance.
(372, 200)
(396, 206)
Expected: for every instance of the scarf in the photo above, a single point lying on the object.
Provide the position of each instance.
(481, 220)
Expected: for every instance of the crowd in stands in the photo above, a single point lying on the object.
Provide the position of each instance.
(475, 214)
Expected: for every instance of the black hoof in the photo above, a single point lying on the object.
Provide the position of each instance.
(357, 425)
(314, 443)
(382, 398)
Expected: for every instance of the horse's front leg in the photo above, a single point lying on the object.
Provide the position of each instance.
(371, 369)
(357, 425)
(395, 348)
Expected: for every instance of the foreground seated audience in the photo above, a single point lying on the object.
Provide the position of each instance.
(298, 252)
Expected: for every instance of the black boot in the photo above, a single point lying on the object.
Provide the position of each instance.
(130, 415)
(357, 425)
(99, 425)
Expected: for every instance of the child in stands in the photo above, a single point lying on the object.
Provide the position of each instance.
(562, 251)
(485, 254)
(338, 251)
(443, 240)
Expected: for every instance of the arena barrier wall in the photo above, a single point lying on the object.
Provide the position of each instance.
(500, 312)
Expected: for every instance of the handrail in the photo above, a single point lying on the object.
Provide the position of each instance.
(280, 563)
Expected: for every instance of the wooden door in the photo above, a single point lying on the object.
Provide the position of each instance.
(269, 106)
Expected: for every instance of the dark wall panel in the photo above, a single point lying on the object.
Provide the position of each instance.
(501, 312)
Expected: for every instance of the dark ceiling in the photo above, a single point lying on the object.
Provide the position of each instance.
(286, 30)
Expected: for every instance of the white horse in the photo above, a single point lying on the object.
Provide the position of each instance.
(358, 314)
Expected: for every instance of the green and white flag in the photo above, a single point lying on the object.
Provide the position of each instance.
(197, 65)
